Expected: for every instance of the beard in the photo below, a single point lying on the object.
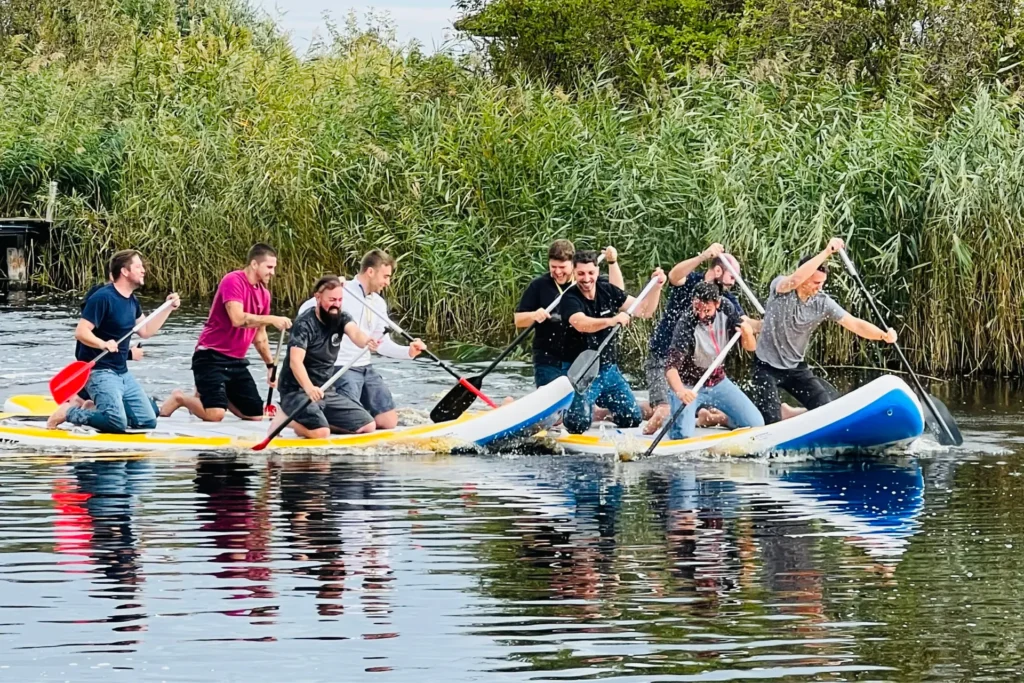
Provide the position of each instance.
(331, 316)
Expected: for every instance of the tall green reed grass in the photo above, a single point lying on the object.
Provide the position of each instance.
(192, 146)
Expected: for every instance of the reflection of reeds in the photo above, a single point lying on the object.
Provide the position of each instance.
(190, 147)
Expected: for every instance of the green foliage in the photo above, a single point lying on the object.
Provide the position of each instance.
(195, 139)
(567, 42)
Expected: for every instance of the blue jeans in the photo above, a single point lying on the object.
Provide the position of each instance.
(120, 403)
(544, 373)
(610, 390)
(725, 396)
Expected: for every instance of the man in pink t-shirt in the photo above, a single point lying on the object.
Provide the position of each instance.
(238, 318)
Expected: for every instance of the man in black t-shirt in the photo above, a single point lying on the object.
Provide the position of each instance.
(592, 309)
(542, 291)
(312, 350)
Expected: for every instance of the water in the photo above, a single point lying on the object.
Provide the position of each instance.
(200, 566)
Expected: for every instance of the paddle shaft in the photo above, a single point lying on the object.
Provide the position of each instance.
(142, 323)
(522, 335)
(719, 359)
(607, 340)
(323, 387)
(743, 285)
(925, 396)
(447, 368)
(273, 370)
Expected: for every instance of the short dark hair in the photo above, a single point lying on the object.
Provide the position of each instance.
(585, 256)
(823, 268)
(122, 259)
(327, 282)
(259, 253)
(561, 250)
(375, 258)
(707, 291)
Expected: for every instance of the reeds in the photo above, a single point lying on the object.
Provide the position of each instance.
(192, 146)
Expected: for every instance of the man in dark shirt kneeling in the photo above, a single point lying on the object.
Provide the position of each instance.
(312, 350)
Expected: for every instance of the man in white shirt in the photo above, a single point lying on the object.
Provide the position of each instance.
(361, 382)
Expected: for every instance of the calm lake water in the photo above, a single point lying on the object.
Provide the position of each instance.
(193, 566)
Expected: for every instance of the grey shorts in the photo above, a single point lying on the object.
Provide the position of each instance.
(336, 411)
(365, 386)
(657, 385)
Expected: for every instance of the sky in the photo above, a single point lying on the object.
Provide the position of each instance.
(428, 21)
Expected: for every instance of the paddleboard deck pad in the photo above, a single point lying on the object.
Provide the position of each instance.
(23, 427)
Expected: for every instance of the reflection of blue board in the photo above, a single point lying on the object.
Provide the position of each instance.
(884, 496)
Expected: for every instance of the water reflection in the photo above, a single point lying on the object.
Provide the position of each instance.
(102, 527)
(534, 567)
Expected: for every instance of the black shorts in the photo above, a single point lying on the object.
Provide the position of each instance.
(221, 380)
(336, 411)
(806, 387)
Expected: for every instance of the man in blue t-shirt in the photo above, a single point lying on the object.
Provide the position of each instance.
(109, 314)
(683, 278)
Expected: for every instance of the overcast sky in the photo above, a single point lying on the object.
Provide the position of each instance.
(429, 21)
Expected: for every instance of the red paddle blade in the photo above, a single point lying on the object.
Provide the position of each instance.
(69, 381)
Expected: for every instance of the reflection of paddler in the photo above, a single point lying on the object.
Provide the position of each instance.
(72, 526)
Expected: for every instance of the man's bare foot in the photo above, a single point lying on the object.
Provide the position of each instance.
(173, 402)
(59, 416)
(646, 411)
(656, 420)
(789, 411)
(601, 414)
(711, 417)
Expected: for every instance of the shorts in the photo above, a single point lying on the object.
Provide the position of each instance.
(221, 380)
(365, 386)
(657, 385)
(336, 410)
(806, 387)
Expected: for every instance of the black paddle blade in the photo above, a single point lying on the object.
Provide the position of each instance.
(584, 370)
(455, 402)
(954, 437)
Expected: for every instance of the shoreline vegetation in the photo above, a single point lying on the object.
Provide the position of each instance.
(191, 132)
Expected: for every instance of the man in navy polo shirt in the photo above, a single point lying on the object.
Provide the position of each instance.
(109, 314)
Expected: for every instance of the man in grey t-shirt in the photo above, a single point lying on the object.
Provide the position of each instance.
(796, 306)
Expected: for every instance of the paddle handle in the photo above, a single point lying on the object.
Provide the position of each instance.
(719, 359)
(323, 387)
(444, 366)
(629, 311)
(899, 351)
(743, 285)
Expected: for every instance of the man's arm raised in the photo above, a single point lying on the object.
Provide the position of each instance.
(682, 270)
(804, 272)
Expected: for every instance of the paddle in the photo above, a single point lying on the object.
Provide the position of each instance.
(743, 285)
(947, 430)
(73, 377)
(323, 387)
(584, 369)
(435, 416)
(719, 359)
(270, 410)
(455, 402)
